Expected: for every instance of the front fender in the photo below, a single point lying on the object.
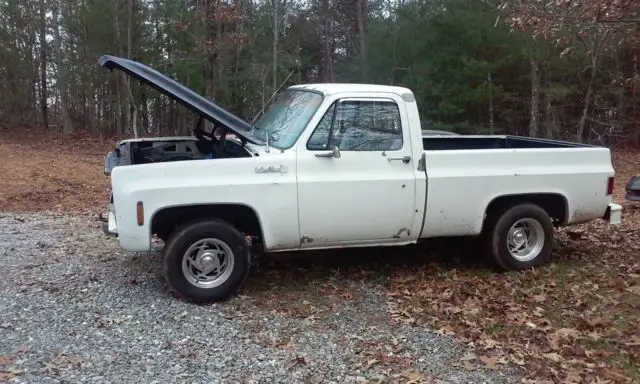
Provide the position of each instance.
(266, 184)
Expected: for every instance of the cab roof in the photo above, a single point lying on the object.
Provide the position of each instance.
(333, 88)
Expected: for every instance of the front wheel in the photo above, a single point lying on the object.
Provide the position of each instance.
(520, 237)
(206, 261)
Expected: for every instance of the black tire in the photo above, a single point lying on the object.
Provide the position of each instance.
(185, 237)
(497, 230)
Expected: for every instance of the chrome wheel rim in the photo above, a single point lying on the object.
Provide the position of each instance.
(207, 263)
(525, 239)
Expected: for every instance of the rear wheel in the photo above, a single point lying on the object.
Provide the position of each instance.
(519, 237)
(206, 261)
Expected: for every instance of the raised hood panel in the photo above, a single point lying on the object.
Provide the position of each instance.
(180, 93)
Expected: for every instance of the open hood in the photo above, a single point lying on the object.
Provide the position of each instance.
(182, 94)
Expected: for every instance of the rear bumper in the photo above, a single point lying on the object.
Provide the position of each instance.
(613, 214)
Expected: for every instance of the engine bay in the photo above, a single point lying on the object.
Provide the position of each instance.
(217, 144)
(203, 145)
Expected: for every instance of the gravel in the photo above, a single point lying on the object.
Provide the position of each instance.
(76, 308)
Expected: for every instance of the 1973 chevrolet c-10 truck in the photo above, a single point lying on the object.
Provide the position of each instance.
(338, 165)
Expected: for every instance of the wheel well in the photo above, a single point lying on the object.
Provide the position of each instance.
(554, 204)
(240, 216)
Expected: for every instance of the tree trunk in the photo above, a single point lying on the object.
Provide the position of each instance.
(327, 67)
(595, 58)
(274, 68)
(123, 89)
(61, 75)
(209, 41)
(535, 97)
(491, 117)
(396, 37)
(634, 85)
(209, 45)
(43, 67)
(132, 103)
(587, 102)
(550, 123)
(360, 10)
(209, 76)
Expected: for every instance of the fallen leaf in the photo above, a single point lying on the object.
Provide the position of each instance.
(573, 377)
(488, 343)
(489, 362)
(612, 373)
(23, 348)
(413, 377)
(567, 333)
(5, 360)
(539, 298)
(595, 335)
(554, 341)
(297, 361)
(379, 378)
(310, 319)
(635, 341)
(605, 354)
(553, 357)
(468, 357)
(635, 289)
(468, 366)
(446, 330)
(9, 373)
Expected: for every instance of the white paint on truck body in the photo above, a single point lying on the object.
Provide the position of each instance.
(462, 183)
(364, 197)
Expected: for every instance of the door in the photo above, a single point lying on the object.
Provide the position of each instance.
(356, 182)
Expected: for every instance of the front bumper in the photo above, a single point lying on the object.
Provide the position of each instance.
(632, 189)
(109, 225)
(632, 195)
(613, 214)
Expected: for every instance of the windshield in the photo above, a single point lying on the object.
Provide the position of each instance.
(287, 117)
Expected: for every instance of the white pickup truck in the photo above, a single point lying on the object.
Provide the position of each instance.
(339, 165)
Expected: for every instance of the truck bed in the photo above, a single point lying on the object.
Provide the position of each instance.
(465, 174)
(441, 143)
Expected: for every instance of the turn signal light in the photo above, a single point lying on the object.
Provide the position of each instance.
(140, 211)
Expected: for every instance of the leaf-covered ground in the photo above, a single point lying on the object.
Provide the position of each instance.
(44, 172)
(574, 319)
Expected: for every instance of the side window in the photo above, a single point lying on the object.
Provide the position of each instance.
(319, 139)
(360, 125)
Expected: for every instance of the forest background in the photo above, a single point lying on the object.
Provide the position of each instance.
(559, 69)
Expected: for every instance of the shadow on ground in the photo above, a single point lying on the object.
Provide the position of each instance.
(375, 265)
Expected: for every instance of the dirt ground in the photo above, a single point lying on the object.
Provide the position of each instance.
(53, 173)
(571, 320)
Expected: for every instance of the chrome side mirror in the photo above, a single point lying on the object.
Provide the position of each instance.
(334, 152)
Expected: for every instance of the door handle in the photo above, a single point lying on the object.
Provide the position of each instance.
(405, 159)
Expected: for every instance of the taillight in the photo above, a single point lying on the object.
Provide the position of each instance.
(610, 185)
